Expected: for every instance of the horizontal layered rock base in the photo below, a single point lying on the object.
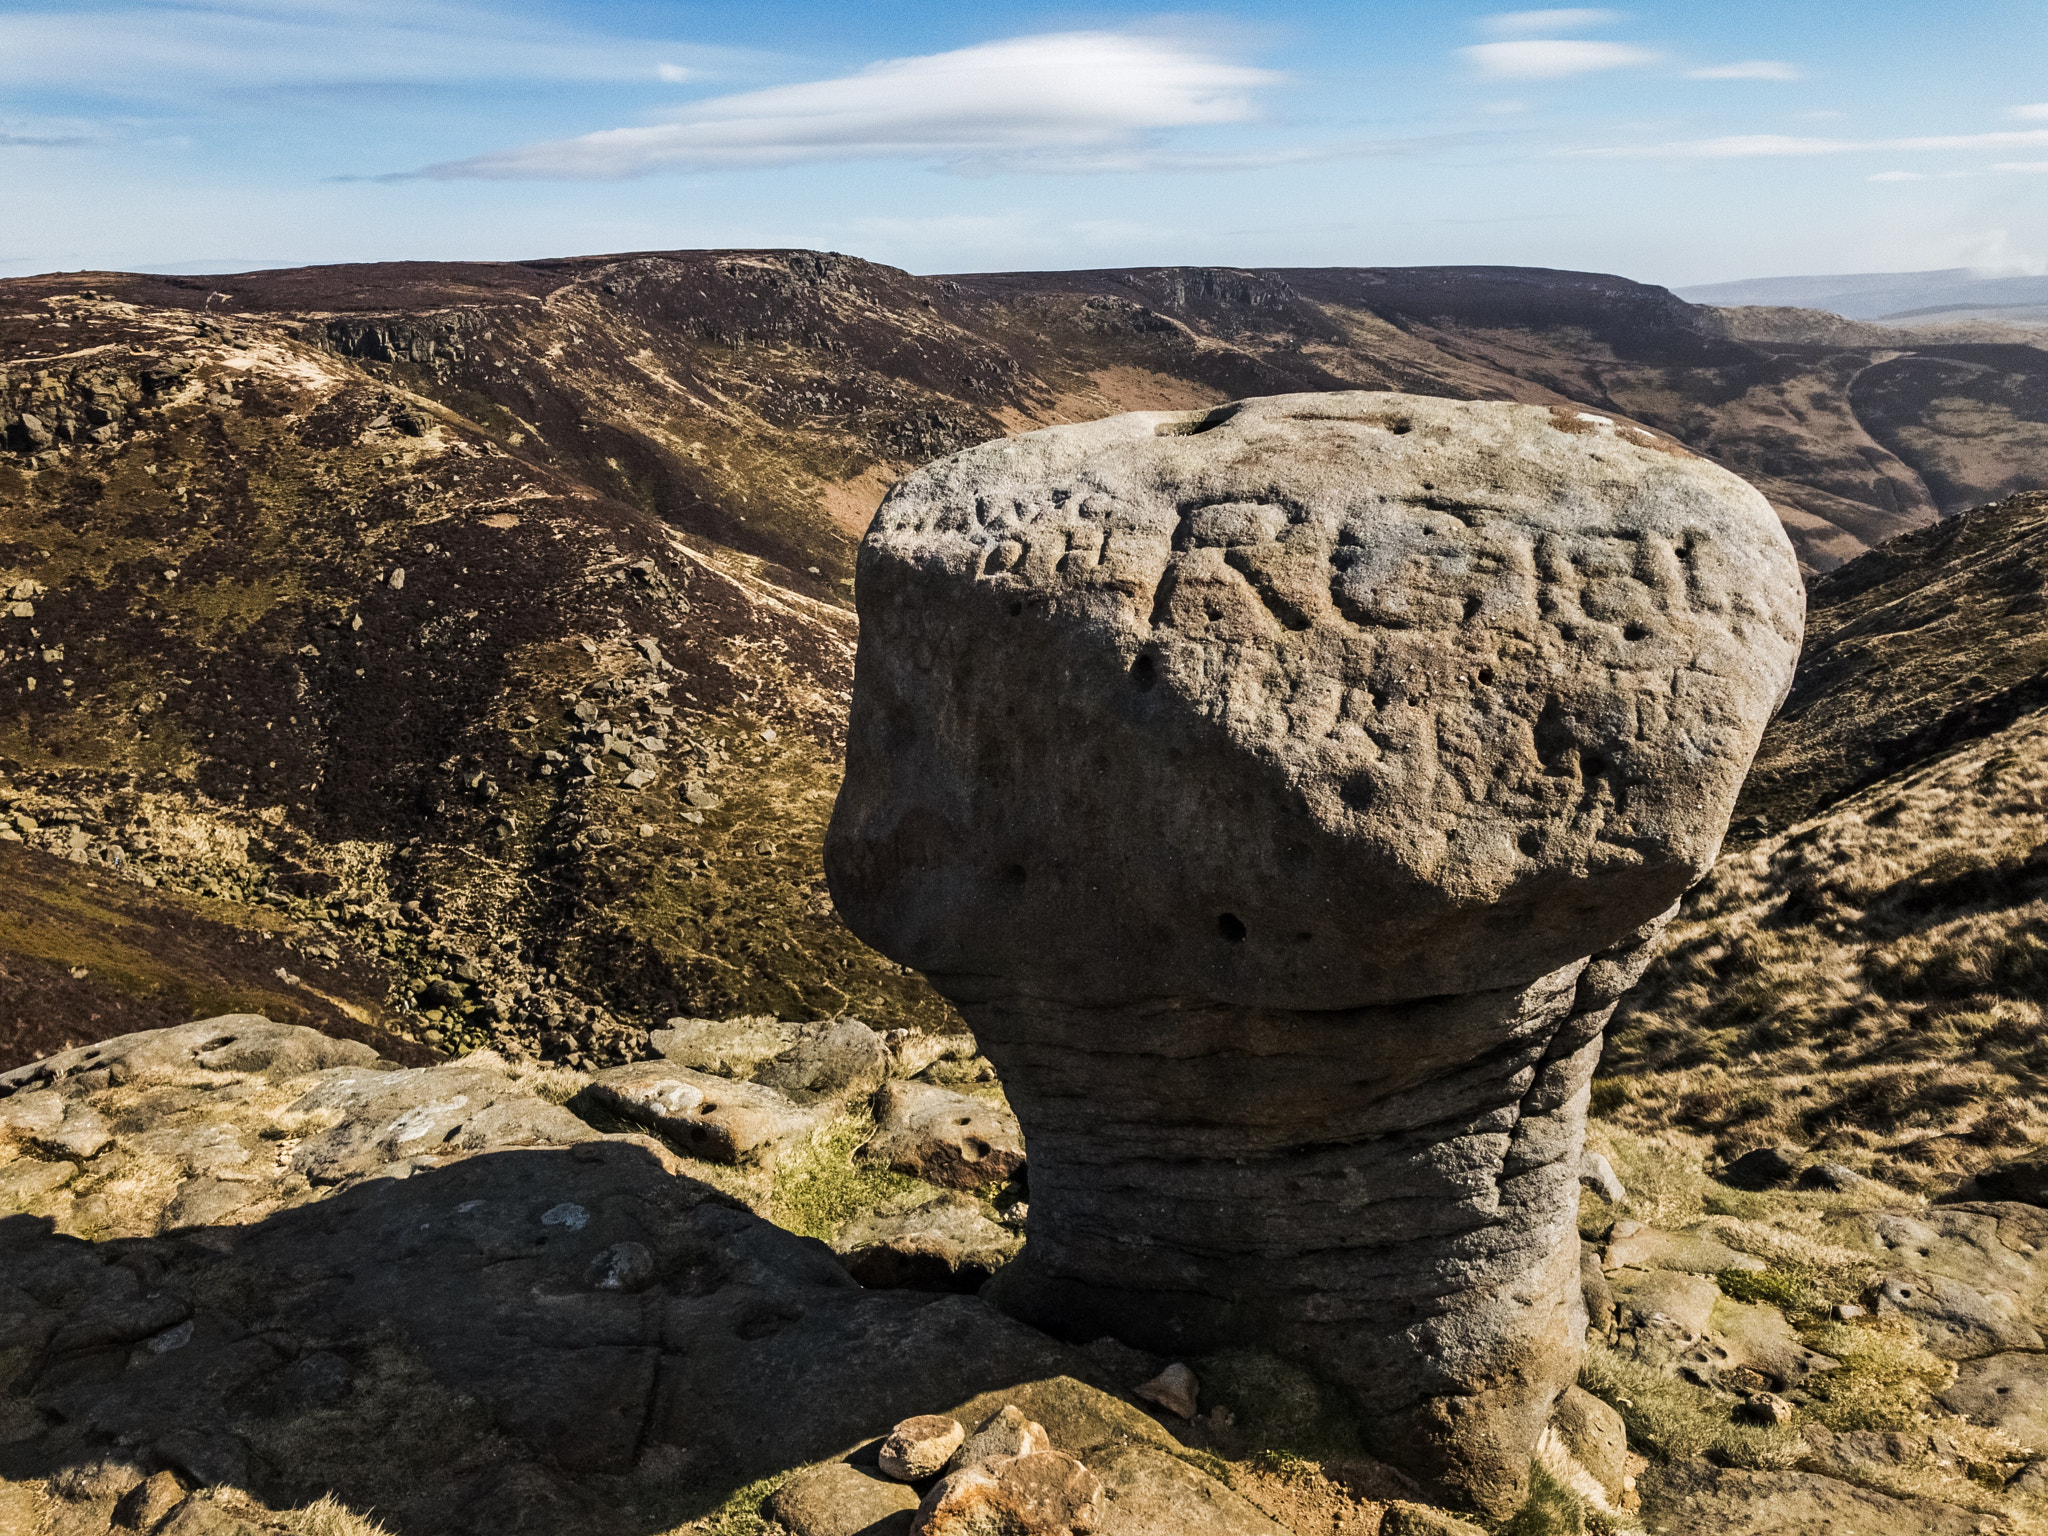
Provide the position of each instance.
(1400, 1220)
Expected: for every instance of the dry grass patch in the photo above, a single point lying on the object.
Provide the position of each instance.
(1869, 985)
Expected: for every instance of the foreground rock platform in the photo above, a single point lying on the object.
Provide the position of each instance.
(1285, 793)
(241, 1253)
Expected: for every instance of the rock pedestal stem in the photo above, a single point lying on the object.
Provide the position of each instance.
(1286, 793)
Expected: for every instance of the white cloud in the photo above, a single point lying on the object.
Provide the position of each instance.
(2024, 167)
(1521, 23)
(1748, 69)
(676, 74)
(1753, 146)
(1059, 101)
(152, 49)
(1897, 176)
(2034, 112)
(1553, 58)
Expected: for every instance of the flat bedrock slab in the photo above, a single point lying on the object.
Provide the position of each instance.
(2008, 1392)
(715, 1118)
(558, 1305)
(1683, 1498)
(944, 1245)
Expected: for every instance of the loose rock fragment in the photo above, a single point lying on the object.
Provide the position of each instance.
(1765, 1168)
(1174, 1389)
(840, 1499)
(1044, 1493)
(830, 1060)
(919, 1447)
(944, 1245)
(1007, 1432)
(954, 1139)
(1597, 1174)
(1767, 1408)
(144, 1507)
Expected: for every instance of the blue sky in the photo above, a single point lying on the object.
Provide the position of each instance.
(1673, 143)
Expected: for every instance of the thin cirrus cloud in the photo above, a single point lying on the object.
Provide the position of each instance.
(1522, 23)
(1554, 58)
(1747, 69)
(155, 52)
(1754, 146)
(1060, 102)
(2034, 112)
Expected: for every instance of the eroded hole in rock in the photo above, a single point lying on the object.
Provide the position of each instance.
(1635, 632)
(1015, 609)
(1014, 875)
(1231, 926)
(1145, 673)
(1530, 842)
(973, 1148)
(1207, 422)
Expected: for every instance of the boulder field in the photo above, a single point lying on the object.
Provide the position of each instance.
(1285, 793)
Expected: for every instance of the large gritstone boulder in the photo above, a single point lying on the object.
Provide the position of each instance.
(1286, 793)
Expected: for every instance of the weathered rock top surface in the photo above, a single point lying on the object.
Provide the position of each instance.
(1309, 701)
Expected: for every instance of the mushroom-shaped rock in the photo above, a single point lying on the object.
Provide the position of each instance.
(1285, 794)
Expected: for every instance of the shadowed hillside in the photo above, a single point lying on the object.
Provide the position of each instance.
(488, 625)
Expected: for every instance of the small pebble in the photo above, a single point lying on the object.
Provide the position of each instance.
(1768, 1408)
(918, 1447)
(1174, 1389)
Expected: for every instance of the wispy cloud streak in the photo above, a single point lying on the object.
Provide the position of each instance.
(1756, 146)
(1553, 58)
(1060, 102)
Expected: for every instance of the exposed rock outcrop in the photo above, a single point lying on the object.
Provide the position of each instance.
(1285, 794)
(293, 1267)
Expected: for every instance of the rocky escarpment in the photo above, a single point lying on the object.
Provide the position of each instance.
(298, 571)
(470, 750)
(1258, 783)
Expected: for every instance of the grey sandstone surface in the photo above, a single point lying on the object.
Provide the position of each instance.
(1285, 794)
(293, 1268)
